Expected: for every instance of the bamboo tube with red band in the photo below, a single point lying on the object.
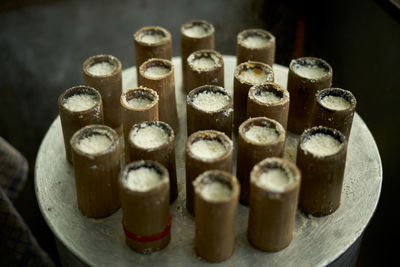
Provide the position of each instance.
(150, 238)
(144, 192)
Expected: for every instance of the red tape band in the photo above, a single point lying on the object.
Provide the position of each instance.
(149, 238)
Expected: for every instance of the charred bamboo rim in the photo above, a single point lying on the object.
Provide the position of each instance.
(208, 88)
(80, 90)
(275, 88)
(243, 35)
(215, 56)
(323, 130)
(139, 92)
(263, 122)
(290, 169)
(115, 62)
(152, 30)
(159, 124)
(219, 176)
(295, 64)
(345, 94)
(156, 62)
(90, 130)
(208, 27)
(150, 164)
(256, 67)
(211, 135)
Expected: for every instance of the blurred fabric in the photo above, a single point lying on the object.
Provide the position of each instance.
(18, 247)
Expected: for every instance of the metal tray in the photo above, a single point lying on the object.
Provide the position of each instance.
(100, 242)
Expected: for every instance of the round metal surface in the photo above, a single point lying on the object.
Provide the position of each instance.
(100, 242)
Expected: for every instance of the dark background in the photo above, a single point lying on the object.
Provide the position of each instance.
(43, 44)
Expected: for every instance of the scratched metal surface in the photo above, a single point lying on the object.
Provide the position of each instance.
(100, 242)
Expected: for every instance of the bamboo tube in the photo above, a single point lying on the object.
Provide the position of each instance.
(209, 107)
(255, 45)
(95, 152)
(158, 74)
(205, 150)
(138, 105)
(306, 77)
(274, 194)
(321, 157)
(104, 73)
(152, 42)
(204, 67)
(269, 100)
(335, 109)
(146, 219)
(246, 75)
(217, 194)
(78, 106)
(258, 139)
(195, 35)
(154, 140)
